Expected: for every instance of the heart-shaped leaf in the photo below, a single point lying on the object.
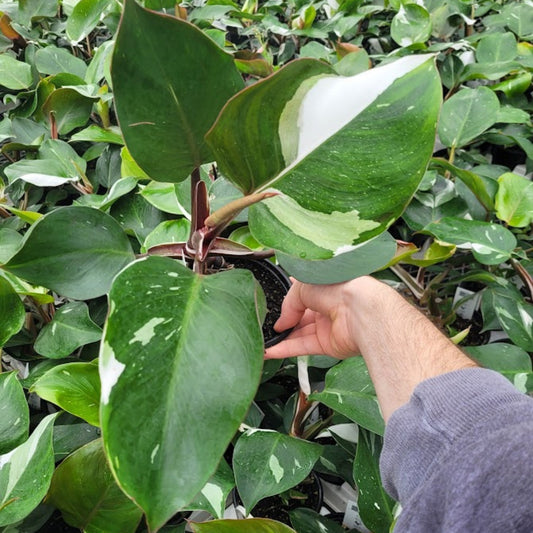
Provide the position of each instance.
(84, 490)
(159, 337)
(15, 419)
(266, 463)
(75, 387)
(170, 81)
(92, 249)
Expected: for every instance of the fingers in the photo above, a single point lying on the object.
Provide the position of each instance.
(303, 341)
(292, 309)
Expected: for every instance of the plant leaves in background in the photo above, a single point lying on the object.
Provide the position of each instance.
(279, 463)
(25, 473)
(14, 74)
(255, 525)
(514, 200)
(165, 197)
(161, 95)
(54, 60)
(365, 259)
(375, 505)
(349, 391)
(84, 18)
(514, 315)
(170, 231)
(84, 490)
(155, 340)
(213, 497)
(70, 328)
(14, 413)
(12, 312)
(81, 264)
(75, 387)
(411, 25)
(94, 133)
(466, 115)
(491, 244)
(70, 437)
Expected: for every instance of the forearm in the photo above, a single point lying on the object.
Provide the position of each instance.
(400, 346)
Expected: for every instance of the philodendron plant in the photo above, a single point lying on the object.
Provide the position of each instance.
(323, 164)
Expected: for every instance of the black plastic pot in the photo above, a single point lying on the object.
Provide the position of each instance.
(275, 508)
(275, 284)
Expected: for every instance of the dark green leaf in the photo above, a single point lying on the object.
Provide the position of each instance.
(266, 463)
(375, 505)
(69, 108)
(15, 419)
(68, 438)
(308, 521)
(75, 387)
(253, 525)
(14, 74)
(9, 243)
(170, 82)
(84, 490)
(12, 313)
(92, 249)
(156, 339)
(54, 60)
(349, 390)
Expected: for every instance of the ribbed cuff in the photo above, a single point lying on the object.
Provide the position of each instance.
(441, 410)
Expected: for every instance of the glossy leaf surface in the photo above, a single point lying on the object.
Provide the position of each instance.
(70, 328)
(25, 473)
(349, 390)
(375, 505)
(84, 490)
(12, 313)
(15, 416)
(170, 82)
(514, 200)
(253, 525)
(466, 115)
(266, 463)
(75, 387)
(339, 148)
(155, 340)
(491, 244)
(81, 264)
(364, 259)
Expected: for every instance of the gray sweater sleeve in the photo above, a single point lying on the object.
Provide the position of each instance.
(459, 456)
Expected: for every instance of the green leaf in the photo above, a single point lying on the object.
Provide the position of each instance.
(170, 82)
(496, 48)
(69, 108)
(466, 115)
(491, 244)
(514, 200)
(411, 25)
(253, 525)
(213, 497)
(514, 315)
(14, 74)
(68, 438)
(25, 473)
(266, 463)
(501, 357)
(84, 490)
(328, 162)
(75, 387)
(15, 419)
(99, 66)
(103, 201)
(436, 252)
(136, 216)
(84, 18)
(155, 339)
(29, 9)
(94, 133)
(164, 196)
(349, 391)
(308, 521)
(9, 243)
(54, 60)
(170, 231)
(92, 249)
(519, 19)
(12, 312)
(364, 259)
(375, 505)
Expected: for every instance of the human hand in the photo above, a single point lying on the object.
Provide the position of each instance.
(323, 318)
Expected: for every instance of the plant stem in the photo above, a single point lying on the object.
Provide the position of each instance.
(524, 275)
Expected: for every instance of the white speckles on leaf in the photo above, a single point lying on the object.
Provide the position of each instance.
(154, 453)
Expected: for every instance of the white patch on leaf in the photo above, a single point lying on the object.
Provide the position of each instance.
(276, 468)
(110, 371)
(147, 332)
